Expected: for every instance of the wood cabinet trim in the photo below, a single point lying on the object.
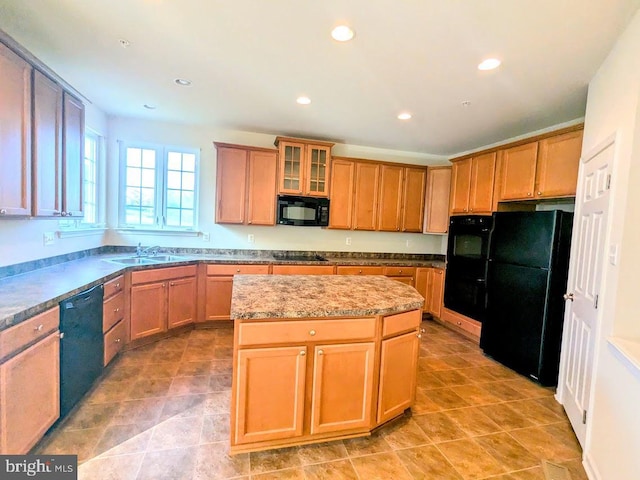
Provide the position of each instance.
(244, 147)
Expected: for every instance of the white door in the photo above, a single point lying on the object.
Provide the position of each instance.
(585, 274)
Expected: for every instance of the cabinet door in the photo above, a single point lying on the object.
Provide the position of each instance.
(517, 171)
(341, 396)
(72, 156)
(47, 146)
(218, 295)
(483, 170)
(460, 186)
(365, 205)
(262, 181)
(231, 177)
(398, 367)
(317, 170)
(413, 199)
(423, 285)
(268, 394)
(340, 213)
(390, 198)
(15, 134)
(30, 395)
(148, 309)
(291, 167)
(181, 308)
(436, 214)
(558, 162)
(437, 292)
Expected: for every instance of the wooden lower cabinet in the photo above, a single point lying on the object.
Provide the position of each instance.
(148, 309)
(269, 394)
(398, 367)
(303, 269)
(430, 284)
(29, 395)
(341, 394)
(181, 302)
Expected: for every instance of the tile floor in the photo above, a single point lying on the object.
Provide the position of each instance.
(162, 412)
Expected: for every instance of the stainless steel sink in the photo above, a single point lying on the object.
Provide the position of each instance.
(133, 261)
(166, 258)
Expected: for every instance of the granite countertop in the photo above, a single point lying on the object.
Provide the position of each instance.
(311, 296)
(30, 293)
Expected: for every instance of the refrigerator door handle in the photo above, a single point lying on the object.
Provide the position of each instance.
(568, 296)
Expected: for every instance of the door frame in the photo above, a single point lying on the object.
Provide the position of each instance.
(613, 140)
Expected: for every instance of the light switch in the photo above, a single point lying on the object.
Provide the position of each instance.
(251, 238)
(48, 238)
(613, 254)
(348, 241)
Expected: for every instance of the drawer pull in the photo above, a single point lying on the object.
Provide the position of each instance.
(419, 335)
(117, 310)
(117, 340)
(320, 352)
(238, 270)
(359, 271)
(312, 332)
(61, 335)
(423, 330)
(39, 328)
(459, 323)
(117, 285)
(302, 353)
(399, 271)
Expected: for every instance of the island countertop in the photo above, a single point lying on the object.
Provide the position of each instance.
(314, 296)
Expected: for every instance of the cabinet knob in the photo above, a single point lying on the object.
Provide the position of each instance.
(39, 328)
(528, 194)
(539, 193)
(312, 332)
(61, 335)
(249, 222)
(117, 310)
(117, 285)
(164, 285)
(423, 330)
(3, 211)
(419, 335)
(471, 209)
(465, 209)
(117, 340)
(399, 271)
(302, 353)
(320, 352)
(238, 271)
(172, 284)
(458, 323)
(359, 271)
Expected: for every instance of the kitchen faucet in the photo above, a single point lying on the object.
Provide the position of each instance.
(146, 251)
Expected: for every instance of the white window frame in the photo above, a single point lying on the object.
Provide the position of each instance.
(96, 139)
(160, 201)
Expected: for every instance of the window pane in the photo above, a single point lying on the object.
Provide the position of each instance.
(148, 178)
(149, 158)
(133, 177)
(175, 161)
(173, 217)
(147, 216)
(187, 218)
(173, 180)
(148, 197)
(132, 215)
(173, 199)
(133, 196)
(188, 181)
(187, 199)
(189, 162)
(134, 157)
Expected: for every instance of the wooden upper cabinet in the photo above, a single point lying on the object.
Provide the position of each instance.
(483, 168)
(231, 174)
(261, 209)
(47, 146)
(342, 186)
(15, 134)
(460, 186)
(436, 215)
(413, 199)
(365, 196)
(72, 156)
(557, 167)
(390, 198)
(304, 167)
(517, 172)
(472, 181)
(246, 185)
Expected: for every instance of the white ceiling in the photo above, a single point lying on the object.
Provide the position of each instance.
(249, 60)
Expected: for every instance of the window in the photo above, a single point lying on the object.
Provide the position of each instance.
(90, 179)
(158, 187)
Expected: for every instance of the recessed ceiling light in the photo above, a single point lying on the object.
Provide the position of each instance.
(342, 33)
(404, 116)
(182, 82)
(149, 107)
(303, 100)
(124, 43)
(489, 64)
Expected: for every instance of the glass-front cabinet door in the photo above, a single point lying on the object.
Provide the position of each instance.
(291, 167)
(318, 173)
(304, 167)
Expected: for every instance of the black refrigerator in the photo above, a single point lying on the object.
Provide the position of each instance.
(526, 281)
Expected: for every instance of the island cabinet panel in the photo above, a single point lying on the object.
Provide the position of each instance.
(436, 214)
(342, 184)
(398, 369)
(390, 198)
(342, 392)
(401, 322)
(365, 203)
(30, 395)
(269, 394)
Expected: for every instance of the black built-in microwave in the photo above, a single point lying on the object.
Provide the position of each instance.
(303, 211)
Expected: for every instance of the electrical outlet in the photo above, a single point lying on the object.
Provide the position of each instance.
(206, 237)
(48, 238)
(250, 238)
(348, 241)
(407, 243)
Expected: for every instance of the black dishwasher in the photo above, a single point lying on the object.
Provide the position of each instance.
(81, 345)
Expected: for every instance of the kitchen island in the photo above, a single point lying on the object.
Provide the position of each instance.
(319, 358)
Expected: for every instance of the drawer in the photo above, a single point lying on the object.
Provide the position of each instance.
(400, 271)
(303, 269)
(158, 274)
(343, 270)
(263, 333)
(401, 322)
(17, 337)
(114, 341)
(237, 269)
(112, 311)
(113, 286)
